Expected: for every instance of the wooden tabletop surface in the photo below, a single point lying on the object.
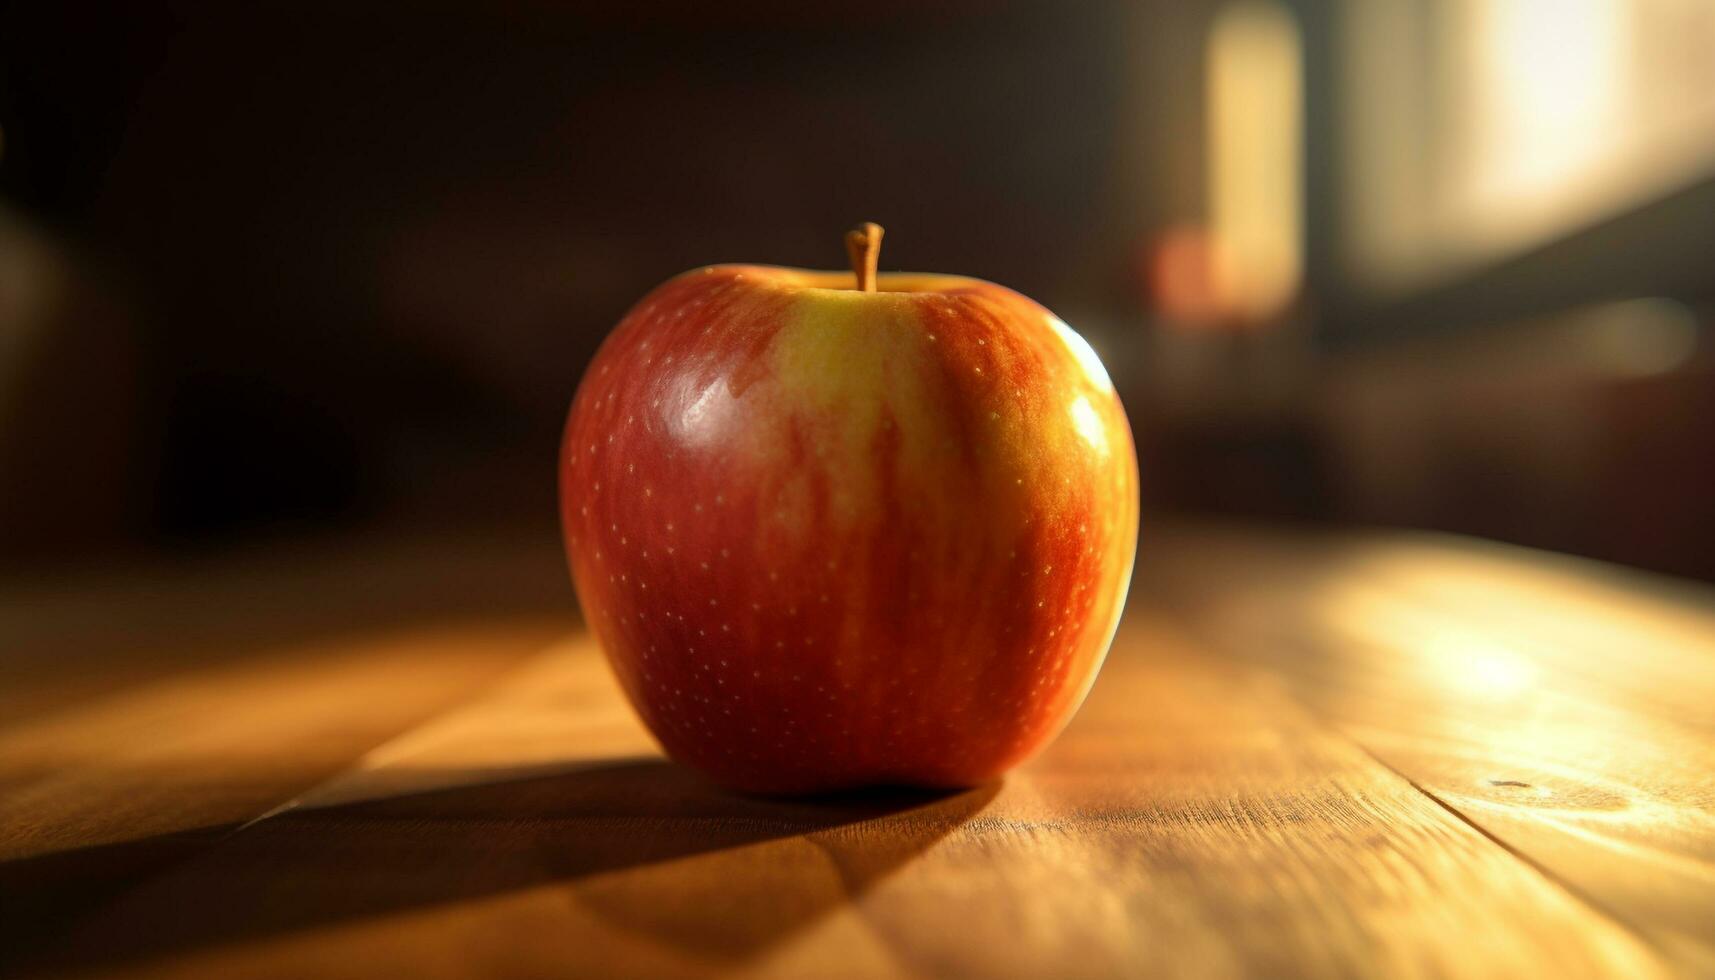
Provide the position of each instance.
(1307, 755)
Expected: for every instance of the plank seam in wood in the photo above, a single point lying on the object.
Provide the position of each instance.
(370, 754)
(1577, 894)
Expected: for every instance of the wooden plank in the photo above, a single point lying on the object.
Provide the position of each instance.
(212, 747)
(1565, 707)
(1188, 823)
(98, 793)
(73, 635)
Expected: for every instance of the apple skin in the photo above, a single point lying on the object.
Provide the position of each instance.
(832, 539)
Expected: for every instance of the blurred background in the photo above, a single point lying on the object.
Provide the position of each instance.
(277, 270)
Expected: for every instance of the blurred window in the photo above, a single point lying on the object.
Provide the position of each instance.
(1477, 128)
(1255, 156)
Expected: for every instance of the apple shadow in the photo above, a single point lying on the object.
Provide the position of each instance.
(717, 874)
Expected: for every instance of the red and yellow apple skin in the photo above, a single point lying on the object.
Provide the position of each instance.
(833, 538)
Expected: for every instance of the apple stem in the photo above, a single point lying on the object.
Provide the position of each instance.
(863, 245)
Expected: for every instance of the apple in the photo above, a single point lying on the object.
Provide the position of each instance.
(837, 529)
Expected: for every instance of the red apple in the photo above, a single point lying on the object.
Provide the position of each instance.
(836, 532)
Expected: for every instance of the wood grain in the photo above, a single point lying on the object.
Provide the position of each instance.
(144, 717)
(1191, 822)
(1308, 755)
(1565, 707)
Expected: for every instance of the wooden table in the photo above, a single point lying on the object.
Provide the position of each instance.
(1307, 754)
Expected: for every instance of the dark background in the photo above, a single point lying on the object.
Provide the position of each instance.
(325, 269)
